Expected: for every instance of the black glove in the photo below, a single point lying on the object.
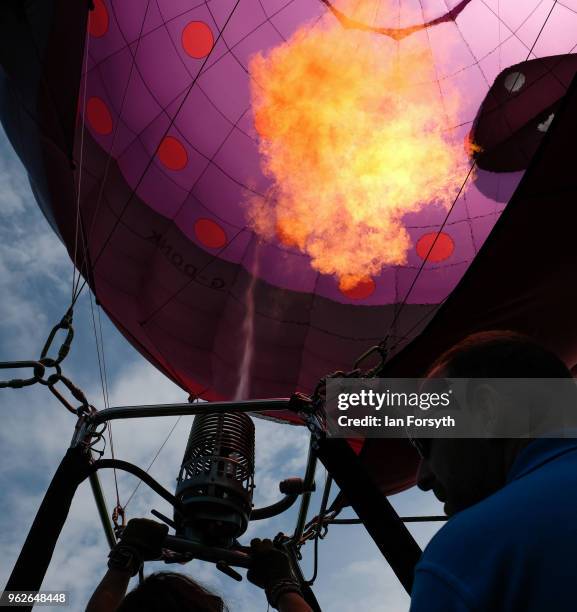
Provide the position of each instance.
(146, 536)
(271, 571)
(140, 541)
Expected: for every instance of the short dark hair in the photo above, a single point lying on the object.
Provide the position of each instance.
(170, 592)
(500, 354)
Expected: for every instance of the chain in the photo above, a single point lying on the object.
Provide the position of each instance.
(312, 409)
(382, 351)
(46, 362)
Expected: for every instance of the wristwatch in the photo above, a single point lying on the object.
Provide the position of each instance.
(277, 589)
(124, 558)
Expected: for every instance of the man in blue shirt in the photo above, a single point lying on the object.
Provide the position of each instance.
(511, 540)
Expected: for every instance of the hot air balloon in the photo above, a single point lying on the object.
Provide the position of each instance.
(259, 192)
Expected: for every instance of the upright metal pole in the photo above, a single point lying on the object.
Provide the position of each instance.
(378, 516)
(34, 558)
(102, 509)
(306, 496)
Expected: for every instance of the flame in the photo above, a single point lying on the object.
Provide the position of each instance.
(351, 145)
(471, 147)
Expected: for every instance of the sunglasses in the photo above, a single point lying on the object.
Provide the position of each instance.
(432, 385)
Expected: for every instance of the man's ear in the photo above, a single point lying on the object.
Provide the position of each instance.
(486, 408)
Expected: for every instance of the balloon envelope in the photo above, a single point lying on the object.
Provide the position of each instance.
(167, 108)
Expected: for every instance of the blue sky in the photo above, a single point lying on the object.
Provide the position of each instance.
(35, 286)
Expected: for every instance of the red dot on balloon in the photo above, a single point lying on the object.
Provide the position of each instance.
(440, 249)
(98, 19)
(172, 153)
(197, 39)
(363, 289)
(209, 233)
(99, 116)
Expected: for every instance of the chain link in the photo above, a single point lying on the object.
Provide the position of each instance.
(66, 325)
(17, 383)
(382, 351)
(39, 369)
(78, 395)
(118, 519)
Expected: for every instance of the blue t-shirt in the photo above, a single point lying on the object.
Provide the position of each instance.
(515, 551)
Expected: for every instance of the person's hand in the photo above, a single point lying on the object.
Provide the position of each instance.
(269, 564)
(271, 571)
(140, 541)
(145, 536)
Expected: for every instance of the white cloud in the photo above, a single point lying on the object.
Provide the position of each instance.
(30, 255)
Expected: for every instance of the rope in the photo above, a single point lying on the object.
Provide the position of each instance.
(154, 459)
(117, 124)
(79, 185)
(169, 126)
(473, 165)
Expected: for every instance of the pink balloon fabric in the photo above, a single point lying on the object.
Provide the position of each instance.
(169, 152)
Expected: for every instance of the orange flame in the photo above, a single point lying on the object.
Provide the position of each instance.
(352, 145)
